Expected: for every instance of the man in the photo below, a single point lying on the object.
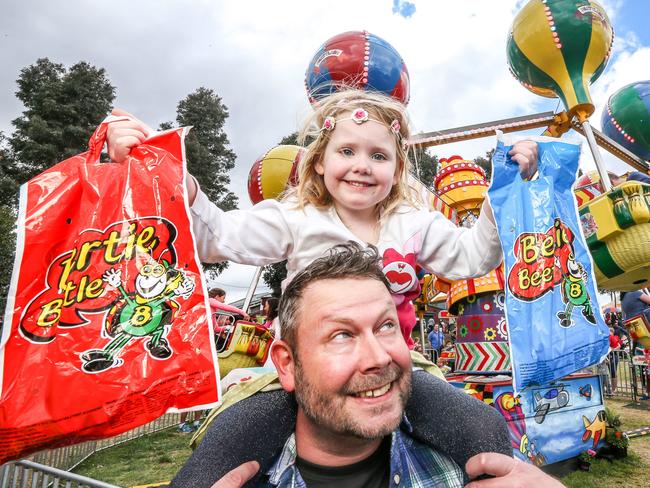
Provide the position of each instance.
(632, 176)
(436, 339)
(344, 357)
(635, 303)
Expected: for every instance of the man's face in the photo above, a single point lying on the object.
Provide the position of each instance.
(352, 368)
(436, 328)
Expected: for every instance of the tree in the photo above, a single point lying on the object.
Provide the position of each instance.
(62, 109)
(209, 159)
(486, 164)
(8, 185)
(424, 166)
(7, 250)
(273, 275)
(291, 140)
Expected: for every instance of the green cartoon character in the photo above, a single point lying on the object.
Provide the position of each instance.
(146, 313)
(574, 293)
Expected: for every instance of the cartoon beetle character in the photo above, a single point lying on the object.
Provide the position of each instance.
(574, 293)
(145, 313)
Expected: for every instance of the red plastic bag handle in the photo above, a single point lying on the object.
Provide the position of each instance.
(98, 139)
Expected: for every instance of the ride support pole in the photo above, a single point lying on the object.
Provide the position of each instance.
(252, 288)
(600, 165)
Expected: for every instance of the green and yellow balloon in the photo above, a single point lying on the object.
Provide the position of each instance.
(556, 48)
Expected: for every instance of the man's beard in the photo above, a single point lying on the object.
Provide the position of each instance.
(328, 411)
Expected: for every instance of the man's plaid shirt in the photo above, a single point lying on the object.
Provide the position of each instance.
(412, 464)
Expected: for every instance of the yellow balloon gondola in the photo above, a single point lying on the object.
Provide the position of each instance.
(616, 226)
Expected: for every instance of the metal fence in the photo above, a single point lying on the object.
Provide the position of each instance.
(621, 377)
(30, 474)
(50, 468)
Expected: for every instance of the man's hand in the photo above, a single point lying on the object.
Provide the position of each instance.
(238, 476)
(508, 473)
(524, 153)
(124, 135)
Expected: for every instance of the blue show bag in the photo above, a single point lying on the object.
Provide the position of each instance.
(554, 320)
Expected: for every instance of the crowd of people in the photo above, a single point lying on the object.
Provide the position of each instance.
(633, 304)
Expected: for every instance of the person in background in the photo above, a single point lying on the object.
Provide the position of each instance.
(217, 299)
(270, 311)
(631, 176)
(614, 345)
(436, 339)
(635, 303)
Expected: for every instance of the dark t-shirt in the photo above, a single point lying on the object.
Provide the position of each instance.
(632, 305)
(372, 472)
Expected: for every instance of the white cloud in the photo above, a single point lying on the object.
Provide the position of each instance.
(254, 53)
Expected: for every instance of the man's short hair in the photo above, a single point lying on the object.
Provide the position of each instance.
(343, 261)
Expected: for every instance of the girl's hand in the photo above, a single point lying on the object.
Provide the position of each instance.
(124, 135)
(524, 153)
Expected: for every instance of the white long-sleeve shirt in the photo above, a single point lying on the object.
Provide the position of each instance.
(273, 231)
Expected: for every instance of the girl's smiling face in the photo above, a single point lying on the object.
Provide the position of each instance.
(359, 166)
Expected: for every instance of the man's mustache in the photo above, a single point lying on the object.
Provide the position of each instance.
(390, 373)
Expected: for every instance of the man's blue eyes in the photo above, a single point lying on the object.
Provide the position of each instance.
(385, 327)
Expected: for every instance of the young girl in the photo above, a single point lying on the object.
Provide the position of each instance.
(352, 186)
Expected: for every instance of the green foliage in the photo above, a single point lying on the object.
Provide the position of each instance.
(273, 275)
(209, 159)
(7, 251)
(424, 166)
(613, 420)
(291, 140)
(8, 184)
(486, 163)
(62, 109)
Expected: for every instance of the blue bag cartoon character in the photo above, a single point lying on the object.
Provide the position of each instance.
(552, 310)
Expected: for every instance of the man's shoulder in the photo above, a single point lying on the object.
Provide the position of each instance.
(421, 465)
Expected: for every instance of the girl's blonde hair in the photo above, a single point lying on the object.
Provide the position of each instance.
(381, 108)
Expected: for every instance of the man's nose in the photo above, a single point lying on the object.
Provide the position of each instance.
(374, 354)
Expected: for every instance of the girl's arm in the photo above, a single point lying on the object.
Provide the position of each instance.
(227, 308)
(258, 236)
(457, 253)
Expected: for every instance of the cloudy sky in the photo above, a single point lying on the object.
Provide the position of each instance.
(254, 53)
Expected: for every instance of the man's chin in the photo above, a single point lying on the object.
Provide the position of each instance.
(374, 423)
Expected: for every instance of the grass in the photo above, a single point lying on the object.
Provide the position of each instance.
(157, 457)
(149, 459)
(631, 472)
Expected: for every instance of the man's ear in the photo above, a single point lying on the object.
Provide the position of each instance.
(284, 363)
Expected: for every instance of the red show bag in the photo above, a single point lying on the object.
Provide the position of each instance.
(106, 326)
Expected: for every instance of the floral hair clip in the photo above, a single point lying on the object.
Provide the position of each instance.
(359, 115)
(329, 123)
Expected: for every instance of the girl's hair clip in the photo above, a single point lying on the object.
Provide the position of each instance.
(329, 123)
(359, 115)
